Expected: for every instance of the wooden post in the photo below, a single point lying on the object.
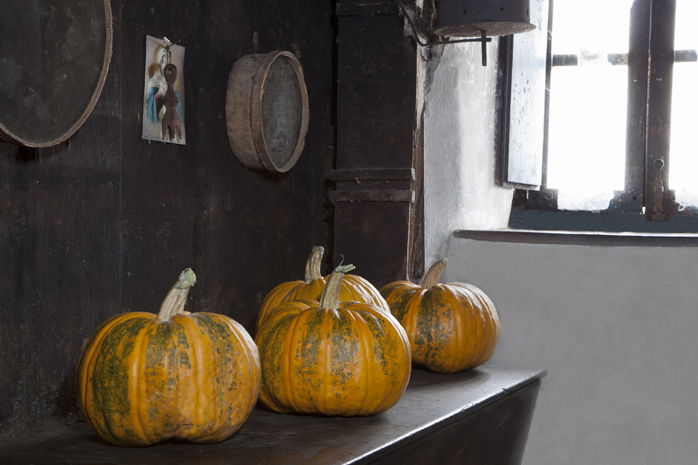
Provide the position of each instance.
(378, 171)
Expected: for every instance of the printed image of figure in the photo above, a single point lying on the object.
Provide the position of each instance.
(171, 122)
(163, 93)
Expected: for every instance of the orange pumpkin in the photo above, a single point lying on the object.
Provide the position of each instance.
(146, 378)
(332, 357)
(451, 327)
(353, 288)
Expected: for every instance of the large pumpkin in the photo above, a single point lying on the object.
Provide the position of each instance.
(332, 357)
(353, 288)
(146, 378)
(451, 327)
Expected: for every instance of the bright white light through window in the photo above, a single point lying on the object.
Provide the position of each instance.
(683, 160)
(588, 103)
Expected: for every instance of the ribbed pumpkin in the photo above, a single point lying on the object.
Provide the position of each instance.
(353, 288)
(332, 357)
(451, 327)
(146, 378)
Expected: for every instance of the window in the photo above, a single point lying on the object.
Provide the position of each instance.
(614, 116)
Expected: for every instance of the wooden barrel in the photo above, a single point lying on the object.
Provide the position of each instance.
(267, 111)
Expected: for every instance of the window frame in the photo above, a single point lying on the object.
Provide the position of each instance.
(650, 60)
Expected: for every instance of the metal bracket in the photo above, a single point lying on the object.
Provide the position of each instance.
(483, 39)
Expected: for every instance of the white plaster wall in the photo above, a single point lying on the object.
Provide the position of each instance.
(459, 142)
(617, 329)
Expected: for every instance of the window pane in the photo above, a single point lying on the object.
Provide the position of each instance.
(588, 104)
(683, 162)
(686, 34)
(586, 144)
(591, 25)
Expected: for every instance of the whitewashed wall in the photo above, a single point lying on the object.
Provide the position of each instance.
(459, 142)
(617, 329)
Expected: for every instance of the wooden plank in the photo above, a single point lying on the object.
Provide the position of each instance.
(366, 8)
(659, 200)
(632, 199)
(373, 237)
(496, 434)
(376, 93)
(373, 174)
(374, 195)
(523, 149)
(489, 409)
(378, 90)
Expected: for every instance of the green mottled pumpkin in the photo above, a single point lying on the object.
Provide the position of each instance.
(331, 357)
(353, 288)
(451, 327)
(145, 378)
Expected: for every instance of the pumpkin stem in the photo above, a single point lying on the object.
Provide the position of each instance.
(329, 300)
(431, 278)
(312, 266)
(177, 297)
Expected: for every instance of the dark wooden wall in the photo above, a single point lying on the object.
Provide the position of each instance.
(377, 196)
(105, 222)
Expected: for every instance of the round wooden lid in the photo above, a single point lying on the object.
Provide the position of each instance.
(54, 58)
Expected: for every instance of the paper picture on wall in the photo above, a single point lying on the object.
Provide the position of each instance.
(163, 102)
